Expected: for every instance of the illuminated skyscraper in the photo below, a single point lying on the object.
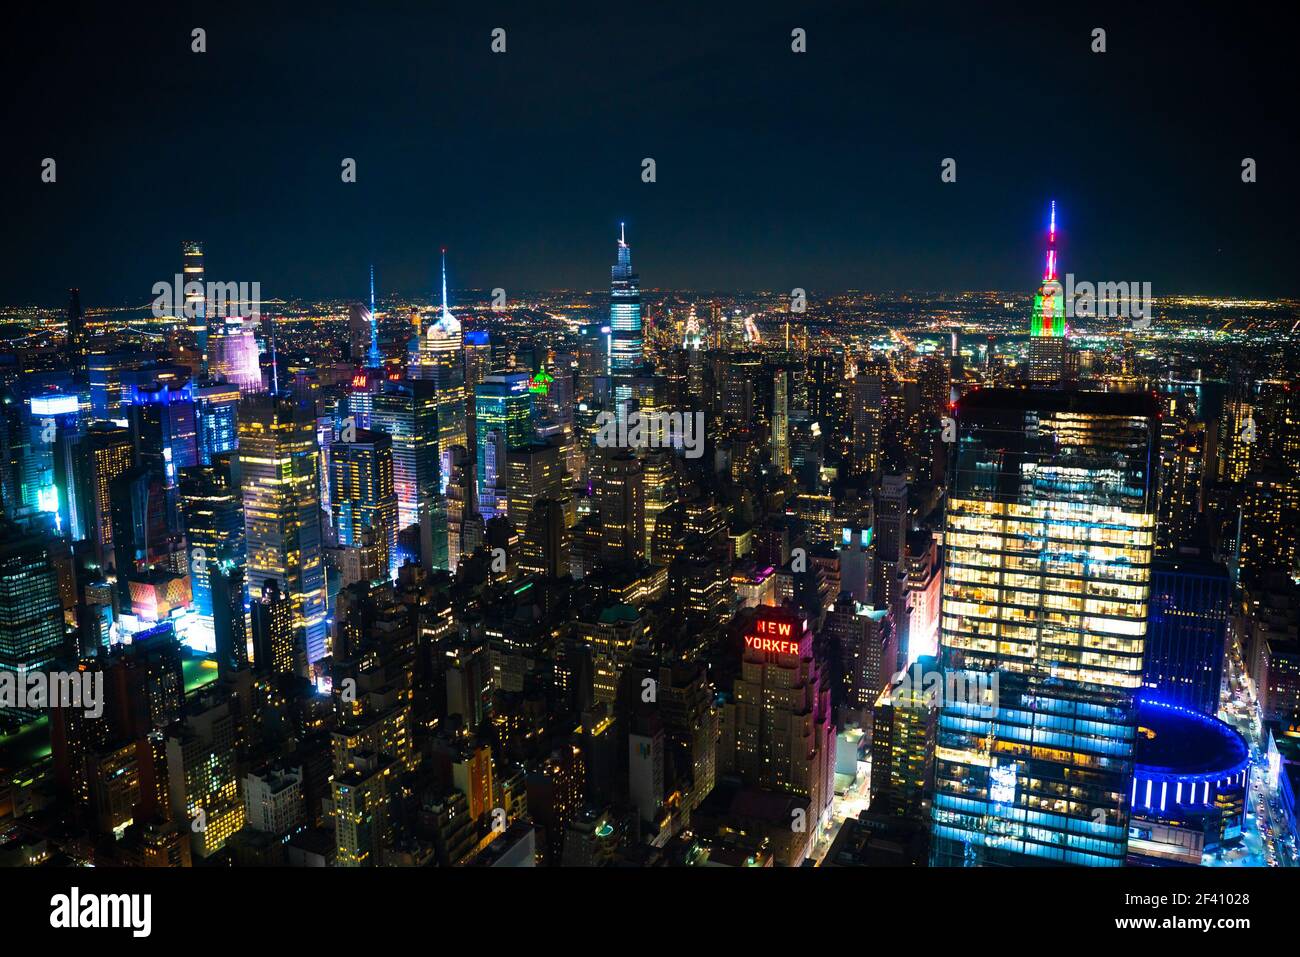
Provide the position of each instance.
(109, 453)
(618, 482)
(1190, 601)
(440, 359)
(279, 468)
(216, 420)
(625, 351)
(1182, 473)
(194, 298)
(362, 494)
(271, 618)
(902, 746)
(201, 770)
(503, 420)
(1048, 352)
(1048, 543)
(781, 421)
(214, 526)
(408, 411)
(31, 609)
(533, 472)
(1270, 526)
(778, 734)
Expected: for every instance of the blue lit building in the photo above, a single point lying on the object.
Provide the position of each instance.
(625, 346)
(1048, 540)
(1191, 780)
(217, 411)
(214, 525)
(503, 417)
(1187, 631)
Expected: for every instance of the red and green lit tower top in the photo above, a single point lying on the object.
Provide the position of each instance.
(1048, 318)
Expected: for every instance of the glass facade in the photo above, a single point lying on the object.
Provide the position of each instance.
(1048, 544)
(625, 346)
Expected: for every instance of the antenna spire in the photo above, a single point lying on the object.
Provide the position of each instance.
(373, 359)
(444, 280)
(1049, 274)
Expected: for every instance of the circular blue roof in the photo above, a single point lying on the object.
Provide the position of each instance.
(1186, 744)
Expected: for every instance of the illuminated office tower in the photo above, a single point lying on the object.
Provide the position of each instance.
(1190, 600)
(105, 370)
(229, 630)
(1269, 524)
(503, 419)
(1048, 349)
(362, 495)
(533, 472)
(408, 412)
(160, 408)
(213, 518)
(441, 360)
(778, 734)
(1182, 474)
(279, 469)
(1048, 543)
(53, 429)
(619, 486)
(360, 395)
(361, 815)
(31, 607)
(233, 354)
(611, 635)
(781, 421)
(892, 526)
(194, 298)
(461, 503)
(478, 357)
(869, 651)
(866, 423)
(593, 361)
(1277, 407)
(902, 745)
(1237, 436)
(625, 347)
(109, 453)
(547, 542)
(216, 419)
(271, 620)
(201, 771)
(659, 474)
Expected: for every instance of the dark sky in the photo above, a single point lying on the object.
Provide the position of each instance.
(775, 170)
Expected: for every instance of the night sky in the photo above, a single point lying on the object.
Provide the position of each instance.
(775, 170)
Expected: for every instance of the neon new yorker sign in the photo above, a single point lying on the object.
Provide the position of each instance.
(773, 636)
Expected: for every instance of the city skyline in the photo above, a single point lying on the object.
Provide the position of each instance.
(642, 438)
